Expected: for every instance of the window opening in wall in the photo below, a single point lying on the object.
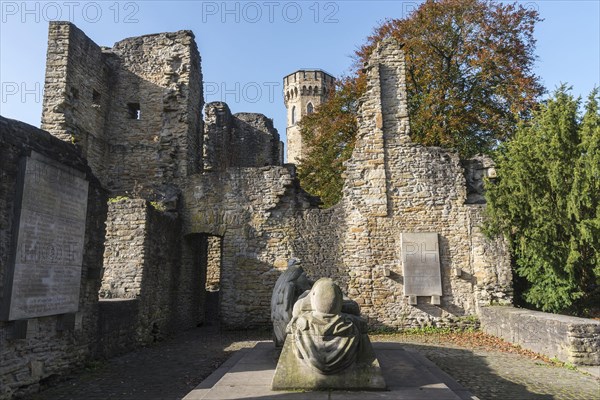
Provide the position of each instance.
(95, 98)
(293, 115)
(309, 108)
(74, 94)
(134, 110)
(214, 252)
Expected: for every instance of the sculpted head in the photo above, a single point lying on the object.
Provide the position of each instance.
(326, 297)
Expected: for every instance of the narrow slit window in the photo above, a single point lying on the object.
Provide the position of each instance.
(95, 97)
(134, 110)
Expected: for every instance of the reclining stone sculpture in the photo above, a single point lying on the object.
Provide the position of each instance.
(326, 348)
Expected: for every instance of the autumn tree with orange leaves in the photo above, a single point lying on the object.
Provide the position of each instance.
(469, 80)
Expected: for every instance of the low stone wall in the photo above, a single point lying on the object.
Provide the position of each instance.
(116, 331)
(570, 339)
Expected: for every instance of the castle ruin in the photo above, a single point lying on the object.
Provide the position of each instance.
(177, 204)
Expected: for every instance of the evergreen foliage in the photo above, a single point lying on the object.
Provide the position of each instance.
(546, 201)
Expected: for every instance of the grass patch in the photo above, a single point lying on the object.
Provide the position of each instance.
(158, 206)
(117, 199)
(94, 365)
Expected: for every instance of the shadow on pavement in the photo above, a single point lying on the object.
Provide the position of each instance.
(474, 373)
(167, 370)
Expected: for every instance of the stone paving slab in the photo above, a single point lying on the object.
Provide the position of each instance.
(408, 375)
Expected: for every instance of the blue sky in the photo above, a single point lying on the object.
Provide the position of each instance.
(247, 47)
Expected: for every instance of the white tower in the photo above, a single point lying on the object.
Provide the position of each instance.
(303, 91)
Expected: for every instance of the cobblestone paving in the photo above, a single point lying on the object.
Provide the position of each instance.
(490, 374)
(169, 370)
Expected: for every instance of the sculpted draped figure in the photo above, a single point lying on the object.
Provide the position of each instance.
(326, 338)
(288, 288)
(327, 346)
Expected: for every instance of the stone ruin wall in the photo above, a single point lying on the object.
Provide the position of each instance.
(150, 281)
(124, 249)
(239, 140)
(164, 146)
(261, 215)
(149, 158)
(392, 186)
(234, 191)
(90, 97)
(252, 210)
(89, 93)
(142, 262)
(38, 348)
(77, 93)
(395, 186)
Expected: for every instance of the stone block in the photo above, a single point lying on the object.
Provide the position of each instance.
(292, 374)
(36, 368)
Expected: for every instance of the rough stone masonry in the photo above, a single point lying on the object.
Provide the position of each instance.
(392, 186)
(187, 193)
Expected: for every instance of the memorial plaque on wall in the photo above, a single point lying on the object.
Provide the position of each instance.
(421, 264)
(44, 273)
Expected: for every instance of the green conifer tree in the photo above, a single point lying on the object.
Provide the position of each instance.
(546, 203)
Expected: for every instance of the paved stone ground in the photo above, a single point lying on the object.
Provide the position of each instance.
(171, 369)
(492, 374)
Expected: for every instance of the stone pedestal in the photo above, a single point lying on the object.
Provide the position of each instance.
(294, 374)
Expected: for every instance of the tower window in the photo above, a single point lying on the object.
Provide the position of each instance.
(134, 110)
(95, 97)
(309, 108)
(293, 115)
